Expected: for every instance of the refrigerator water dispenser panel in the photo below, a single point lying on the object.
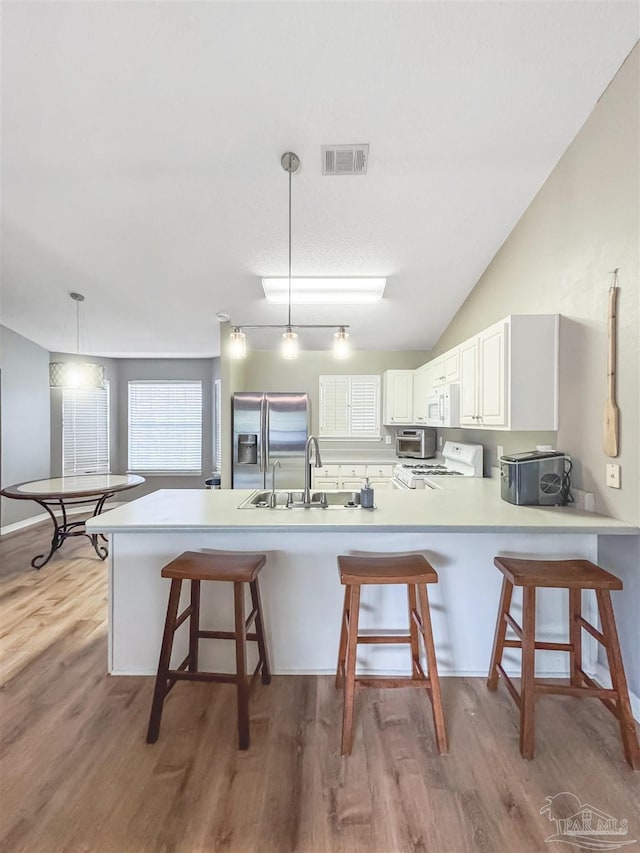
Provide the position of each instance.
(247, 449)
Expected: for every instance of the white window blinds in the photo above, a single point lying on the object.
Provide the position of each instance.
(350, 406)
(165, 427)
(85, 430)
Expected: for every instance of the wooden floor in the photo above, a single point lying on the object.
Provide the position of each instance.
(76, 774)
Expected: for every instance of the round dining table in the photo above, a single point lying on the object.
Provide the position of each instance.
(63, 493)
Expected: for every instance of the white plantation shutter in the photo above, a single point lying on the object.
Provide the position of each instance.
(85, 430)
(365, 406)
(350, 406)
(165, 427)
(334, 405)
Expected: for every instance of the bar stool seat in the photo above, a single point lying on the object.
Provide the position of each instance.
(574, 575)
(416, 572)
(198, 566)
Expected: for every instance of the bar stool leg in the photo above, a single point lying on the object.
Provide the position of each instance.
(618, 679)
(241, 666)
(194, 626)
(342, 647)
(527, 683)
(413, 630)
(434, 680)
(575, 637)
(350, 669)
(160, 690)
(262, 646)
(501, 633)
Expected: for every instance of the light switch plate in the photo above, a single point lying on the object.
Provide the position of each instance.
(387, 439)
(613, 475)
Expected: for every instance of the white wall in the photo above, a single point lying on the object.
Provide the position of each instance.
(584, 222)
(24, 419)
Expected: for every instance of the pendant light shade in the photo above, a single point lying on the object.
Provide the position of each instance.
(341, 348)
(289, 344)
(237, 343)
(76, 374)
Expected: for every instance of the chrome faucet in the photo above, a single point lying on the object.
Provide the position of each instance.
(311, 441)
(272, 496)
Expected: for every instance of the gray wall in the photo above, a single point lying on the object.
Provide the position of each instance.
(119, 372)
(583, 223)
(25, 419)
(111, 374)
(159, 368)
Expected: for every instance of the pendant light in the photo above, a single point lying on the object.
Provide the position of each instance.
(290, 162)
(76, 374)
(341, 348)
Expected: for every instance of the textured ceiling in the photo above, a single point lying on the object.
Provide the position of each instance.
(141, 148)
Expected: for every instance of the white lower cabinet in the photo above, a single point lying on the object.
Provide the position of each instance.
(377, 483)
(352, 485)
(509, 375)
(352, 477)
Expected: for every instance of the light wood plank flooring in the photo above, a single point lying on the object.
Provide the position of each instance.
(76, 774)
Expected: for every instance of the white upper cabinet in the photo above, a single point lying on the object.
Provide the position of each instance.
(397, 393)
(445, 368)
(421, 385)
(509, 375)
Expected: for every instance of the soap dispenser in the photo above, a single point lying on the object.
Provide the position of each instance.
(366, 495)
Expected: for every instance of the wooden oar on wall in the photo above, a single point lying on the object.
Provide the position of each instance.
(611, 412)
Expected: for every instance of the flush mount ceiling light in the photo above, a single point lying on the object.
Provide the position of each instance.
(324, 291)
(76, 374)
(237, 340)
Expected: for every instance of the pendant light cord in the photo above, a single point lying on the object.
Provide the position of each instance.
(289, 320)
(78, 327)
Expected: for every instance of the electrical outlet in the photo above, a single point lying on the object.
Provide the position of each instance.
(500, 451)
(440, 441)
(387, 439)
(613, 476)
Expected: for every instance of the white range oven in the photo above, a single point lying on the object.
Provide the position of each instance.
(458, 460)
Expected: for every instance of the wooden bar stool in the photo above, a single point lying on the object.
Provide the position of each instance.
(414, 571)
(194, 566)
(574, 575)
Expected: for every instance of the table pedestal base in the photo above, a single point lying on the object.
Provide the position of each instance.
(63, 528)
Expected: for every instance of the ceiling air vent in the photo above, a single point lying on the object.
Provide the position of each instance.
(345, 159)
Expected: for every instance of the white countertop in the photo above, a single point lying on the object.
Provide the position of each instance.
(470, 506)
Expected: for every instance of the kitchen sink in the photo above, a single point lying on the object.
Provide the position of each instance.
(261, 499)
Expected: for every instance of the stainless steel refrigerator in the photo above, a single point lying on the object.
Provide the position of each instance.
(269, 427)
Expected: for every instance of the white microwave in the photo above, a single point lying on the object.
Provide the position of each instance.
(443, 406)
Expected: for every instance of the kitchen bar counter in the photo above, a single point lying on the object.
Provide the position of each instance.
(469, 506)
(460, 527)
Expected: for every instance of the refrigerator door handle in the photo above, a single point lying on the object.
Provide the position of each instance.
(267, 436)
(261, 438)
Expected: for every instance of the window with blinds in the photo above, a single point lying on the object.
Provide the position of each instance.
(350, 407)
(85, 430)
(165, 427)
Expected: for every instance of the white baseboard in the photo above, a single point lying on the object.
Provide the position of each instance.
(44, 516)
(601, 674)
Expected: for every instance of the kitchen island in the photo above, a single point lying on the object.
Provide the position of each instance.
(460, 527)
